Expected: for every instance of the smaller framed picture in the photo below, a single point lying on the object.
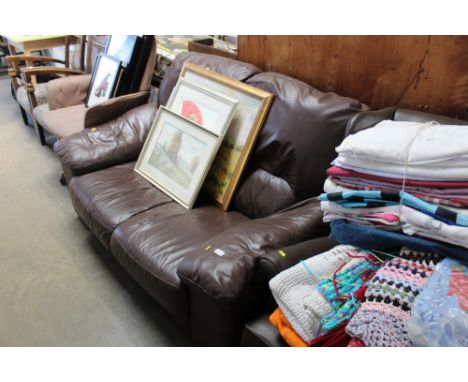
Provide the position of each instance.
(177, 155)
(121, 47)
(104, 80)
(205, 107)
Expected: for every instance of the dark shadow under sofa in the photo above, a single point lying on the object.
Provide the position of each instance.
(169, 250)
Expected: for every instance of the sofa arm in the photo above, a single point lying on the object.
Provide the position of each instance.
(227, 264)
(225, 288)
(114, 108)
(274, 262)
(116, 142)
(67, 91)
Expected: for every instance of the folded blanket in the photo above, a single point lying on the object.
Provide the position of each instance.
(455, 200)
(379, 216)
(296, 294)
(337, 171)
(420, 224)
(389, 241)
(381, 319)
(279, 321)
(352, 199)
(401, 142)
(331, 187)
(432, 191)
(449, 171)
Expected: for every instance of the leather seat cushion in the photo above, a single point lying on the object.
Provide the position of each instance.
(104, 199)
(62, 122)
(151, 245)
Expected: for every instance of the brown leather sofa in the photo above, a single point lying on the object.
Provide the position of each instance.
(170, 250)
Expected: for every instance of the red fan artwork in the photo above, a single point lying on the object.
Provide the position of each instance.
(191, 111)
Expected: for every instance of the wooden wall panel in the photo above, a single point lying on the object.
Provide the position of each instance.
(427, 73)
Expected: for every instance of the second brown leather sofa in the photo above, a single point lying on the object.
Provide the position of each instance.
(170, 251)
(259, 331)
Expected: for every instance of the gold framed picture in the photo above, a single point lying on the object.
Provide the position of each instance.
(252, 108)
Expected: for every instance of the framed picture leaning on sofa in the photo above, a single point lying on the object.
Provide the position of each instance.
(177, 155)
(240, 137)
(104, 80)
(209, 109)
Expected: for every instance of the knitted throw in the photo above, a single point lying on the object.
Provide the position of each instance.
(297, 296)
(344, 291)
(380, 321)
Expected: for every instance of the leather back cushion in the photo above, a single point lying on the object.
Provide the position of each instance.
(295, 146)
(262, 194)
(420, 116)
(234, 69)
(368, 119)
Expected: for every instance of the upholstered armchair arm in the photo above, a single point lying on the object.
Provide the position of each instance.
(227, 264)
(114, 107)
(116, 142)
(29, 72)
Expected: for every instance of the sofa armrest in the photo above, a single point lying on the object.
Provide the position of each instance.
(274, 262)
(113, 108)
(116, 142)
(67, 91)
(227, 265)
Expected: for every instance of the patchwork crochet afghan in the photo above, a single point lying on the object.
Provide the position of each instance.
(380, 321)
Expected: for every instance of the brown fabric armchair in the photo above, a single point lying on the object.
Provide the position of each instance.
(66, 114)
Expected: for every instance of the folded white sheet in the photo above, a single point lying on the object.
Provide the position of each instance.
(448, 172)
(399, 142)
(420, 224)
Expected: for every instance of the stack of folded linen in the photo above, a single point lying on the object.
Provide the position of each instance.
(405, 176)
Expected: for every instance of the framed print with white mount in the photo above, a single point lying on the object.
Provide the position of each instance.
(177, 155)
(241, 135)
(211, 110)
(104, 80)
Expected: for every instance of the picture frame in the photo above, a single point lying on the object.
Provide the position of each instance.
(122, 47)
(241, 135)
(104, 79)
(177, 155)
(209, 109)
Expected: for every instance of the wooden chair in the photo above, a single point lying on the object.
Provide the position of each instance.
(65, 113)
(18, 62)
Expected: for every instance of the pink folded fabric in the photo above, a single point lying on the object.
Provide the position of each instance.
(341, 172)
(430, 196)
(441, 192)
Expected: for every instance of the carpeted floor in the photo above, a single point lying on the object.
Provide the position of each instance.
(58, 286)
